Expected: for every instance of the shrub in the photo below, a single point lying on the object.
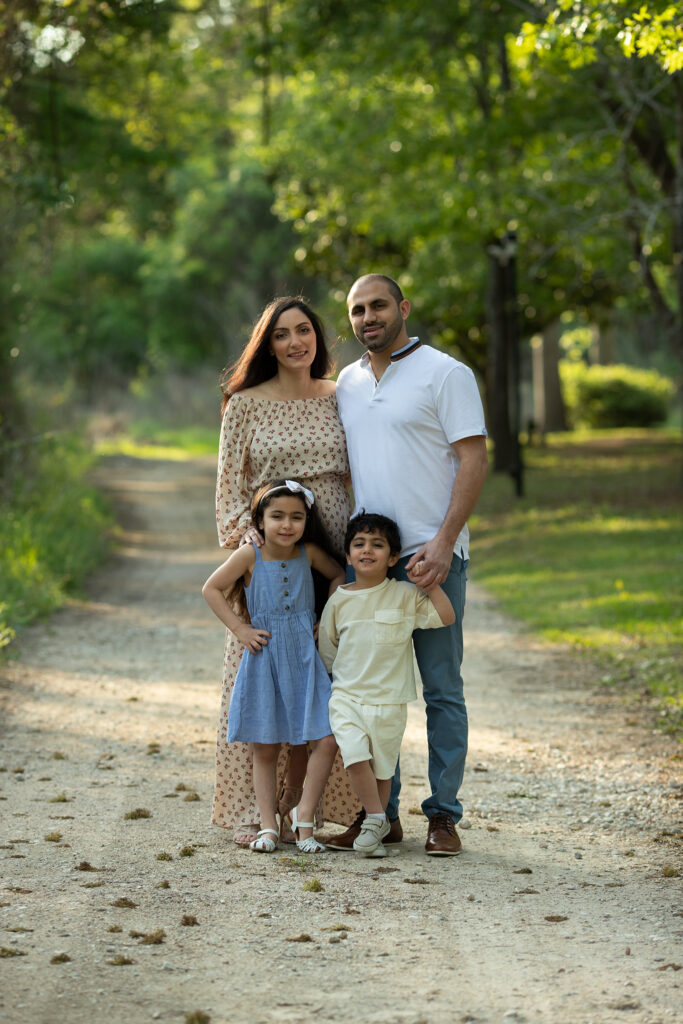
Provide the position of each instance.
(53, 527)
(615, 396)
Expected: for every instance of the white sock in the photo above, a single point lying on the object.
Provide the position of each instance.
(380, 817)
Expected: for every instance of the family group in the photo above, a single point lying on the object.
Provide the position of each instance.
(324, 610)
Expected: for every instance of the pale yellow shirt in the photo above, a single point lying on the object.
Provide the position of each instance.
(365, 640)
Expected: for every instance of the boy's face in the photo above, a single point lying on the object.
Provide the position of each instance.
(369, 556)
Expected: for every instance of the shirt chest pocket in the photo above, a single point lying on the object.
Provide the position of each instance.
(392, 627)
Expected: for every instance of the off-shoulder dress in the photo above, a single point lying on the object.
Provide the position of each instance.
(263, 440)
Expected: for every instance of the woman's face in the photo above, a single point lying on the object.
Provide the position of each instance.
(293, 340)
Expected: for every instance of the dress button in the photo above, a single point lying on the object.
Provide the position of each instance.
(283, 564)
(286, 593)
(285, 579)
(286, 607)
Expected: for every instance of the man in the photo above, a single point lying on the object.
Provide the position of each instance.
(415, 431)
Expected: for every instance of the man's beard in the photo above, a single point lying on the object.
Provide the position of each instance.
(386, 339)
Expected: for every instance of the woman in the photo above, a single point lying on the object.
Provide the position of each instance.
(279, 420)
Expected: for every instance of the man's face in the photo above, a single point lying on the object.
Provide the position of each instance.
(376, 317)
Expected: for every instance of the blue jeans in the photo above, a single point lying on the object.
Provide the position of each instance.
(439, 656)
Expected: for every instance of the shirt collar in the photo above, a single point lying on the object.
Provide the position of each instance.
(401, 353)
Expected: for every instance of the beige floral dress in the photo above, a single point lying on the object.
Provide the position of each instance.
(263, 440)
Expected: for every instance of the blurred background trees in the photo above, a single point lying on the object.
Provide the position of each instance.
(169, 166)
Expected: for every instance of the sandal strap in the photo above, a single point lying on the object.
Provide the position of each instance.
(272, 831)
(309, 845)
(299, 824)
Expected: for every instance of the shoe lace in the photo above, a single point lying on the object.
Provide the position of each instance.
(442, 821)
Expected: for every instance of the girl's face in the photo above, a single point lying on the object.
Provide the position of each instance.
(284, 521)
(293, 341)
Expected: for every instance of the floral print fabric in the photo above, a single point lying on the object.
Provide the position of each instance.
(263, 440)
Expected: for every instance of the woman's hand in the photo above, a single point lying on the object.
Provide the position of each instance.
(252, 536)
(253, 639)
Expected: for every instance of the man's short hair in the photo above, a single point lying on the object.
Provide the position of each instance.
(373, 522)
(388, 281)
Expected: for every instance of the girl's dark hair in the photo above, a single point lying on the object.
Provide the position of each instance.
(257, 363)
(373, 522)
(314, 533)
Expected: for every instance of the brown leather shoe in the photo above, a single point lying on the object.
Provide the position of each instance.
(344, 841)
(442, 839)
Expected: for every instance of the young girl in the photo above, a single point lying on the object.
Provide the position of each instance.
(282, 688)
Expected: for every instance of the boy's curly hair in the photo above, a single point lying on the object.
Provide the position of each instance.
(373, 522)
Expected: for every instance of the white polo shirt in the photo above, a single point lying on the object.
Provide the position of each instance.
(399, 432)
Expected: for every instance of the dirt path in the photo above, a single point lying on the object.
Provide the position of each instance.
(564, 907)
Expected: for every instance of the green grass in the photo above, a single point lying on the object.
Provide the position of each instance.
(592, 555)
(148, 439)
(53, 531)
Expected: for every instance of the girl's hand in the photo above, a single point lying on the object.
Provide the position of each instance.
(253, 639)
(252, 536)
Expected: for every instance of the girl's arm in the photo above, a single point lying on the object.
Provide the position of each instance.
(326, 566)
(239, 563)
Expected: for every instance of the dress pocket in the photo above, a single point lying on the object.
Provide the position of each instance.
(391, 626)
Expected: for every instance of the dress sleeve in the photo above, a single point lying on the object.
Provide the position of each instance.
(233, 496)
(328, 641)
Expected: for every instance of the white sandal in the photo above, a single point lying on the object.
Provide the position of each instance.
(263, 843)
(308, 845)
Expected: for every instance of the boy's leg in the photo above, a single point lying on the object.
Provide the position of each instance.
(365, 787)
(384, 789)
(374, 793)
(265, 762)
(319, 767)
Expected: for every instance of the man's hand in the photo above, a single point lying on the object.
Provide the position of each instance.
(430, 564)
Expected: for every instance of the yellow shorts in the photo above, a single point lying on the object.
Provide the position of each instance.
(368, 732)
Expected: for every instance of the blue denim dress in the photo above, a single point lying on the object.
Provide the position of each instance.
(281, 694)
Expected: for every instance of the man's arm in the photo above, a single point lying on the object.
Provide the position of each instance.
(436, 555)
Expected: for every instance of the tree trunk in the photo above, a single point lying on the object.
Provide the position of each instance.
(549, 411)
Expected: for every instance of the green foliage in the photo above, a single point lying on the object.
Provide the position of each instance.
(171, 167)
(579, 31)
(52, 533)
(88, 313)
(485, 133)
(591, 556)
(615, 396)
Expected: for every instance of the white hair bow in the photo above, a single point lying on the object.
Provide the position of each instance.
(296, 488)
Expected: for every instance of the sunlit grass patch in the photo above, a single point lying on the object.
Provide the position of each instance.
(592, 555)
(146, 439)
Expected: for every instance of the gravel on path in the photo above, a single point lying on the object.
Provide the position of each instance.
(120, 903)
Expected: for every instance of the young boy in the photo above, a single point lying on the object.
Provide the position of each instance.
(365, 641)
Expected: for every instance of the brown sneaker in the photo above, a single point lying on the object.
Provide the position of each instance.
(345, 840)
(442, 839)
